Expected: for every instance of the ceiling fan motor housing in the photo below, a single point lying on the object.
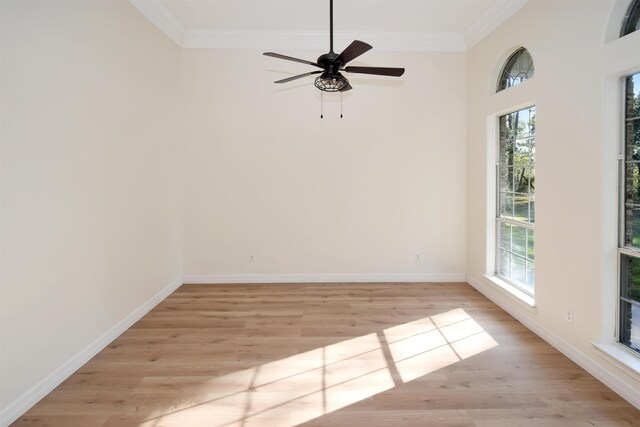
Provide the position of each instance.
(326, 61)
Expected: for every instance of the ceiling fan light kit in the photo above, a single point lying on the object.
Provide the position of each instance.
(331, 65)
(331, 83)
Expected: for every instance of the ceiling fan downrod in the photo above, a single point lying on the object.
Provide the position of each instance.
(330, 26)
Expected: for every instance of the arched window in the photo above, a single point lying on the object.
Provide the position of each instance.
(518, 68)
(631, 20)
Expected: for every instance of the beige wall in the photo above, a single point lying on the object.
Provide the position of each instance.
(577, 96)
(91, 215)
(356, 197)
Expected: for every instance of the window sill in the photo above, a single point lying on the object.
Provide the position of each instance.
(621, 357)
(527, 300)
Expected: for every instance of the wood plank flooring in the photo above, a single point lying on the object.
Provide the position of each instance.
(353, 355)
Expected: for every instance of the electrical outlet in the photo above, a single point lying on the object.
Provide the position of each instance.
(252, 258)
(273, 257)
(569, 316)
(418, 257)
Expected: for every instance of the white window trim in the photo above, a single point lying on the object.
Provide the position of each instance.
(513, 291)
(620, 356)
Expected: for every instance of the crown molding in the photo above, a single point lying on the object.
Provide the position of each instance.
(317, 41)
(155, 12)
(495, 16)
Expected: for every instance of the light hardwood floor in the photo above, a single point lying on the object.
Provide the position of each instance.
(356, 355)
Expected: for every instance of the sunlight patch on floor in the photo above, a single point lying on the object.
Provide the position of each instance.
(297, 389)
(430, 344)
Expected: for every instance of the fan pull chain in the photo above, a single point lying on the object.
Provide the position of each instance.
(321, 115)
(340, 104)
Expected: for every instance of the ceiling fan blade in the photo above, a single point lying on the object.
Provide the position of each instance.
(299, 76)
(290, 58)
(347, 87)
(378, 71)
(355, 49)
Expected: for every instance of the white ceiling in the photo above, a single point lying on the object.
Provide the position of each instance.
(402, 25)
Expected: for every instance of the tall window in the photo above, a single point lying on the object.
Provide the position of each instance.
(629, 310)
(515, 219)
(518, 68)
(631, 21)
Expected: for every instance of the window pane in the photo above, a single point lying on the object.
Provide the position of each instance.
(632, 178)
(506, 180)
(523, 143)
(506, 205)
(527, 117)
(633, 91)
(531, 180)
(630, 325)
(632, 226)
(532, 209)
(504, 264)
(530, 241)
(504, 236)
(521, 179)
(521, 207)
(531, 174)
(530, 275)
(532, 163)
(502, 124)
(632, 140)
(506, 151)
(515, 255)
(516, 239)
(630, 277)
(519, 241)
(518, 271)
(633, 133)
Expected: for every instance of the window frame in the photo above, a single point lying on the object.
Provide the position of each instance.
(623, 249)
(499, 219)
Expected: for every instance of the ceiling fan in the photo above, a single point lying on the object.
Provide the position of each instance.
(331, 64)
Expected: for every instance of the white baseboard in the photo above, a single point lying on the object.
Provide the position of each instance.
(22, 404)
(321, 278)
(587, 363)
